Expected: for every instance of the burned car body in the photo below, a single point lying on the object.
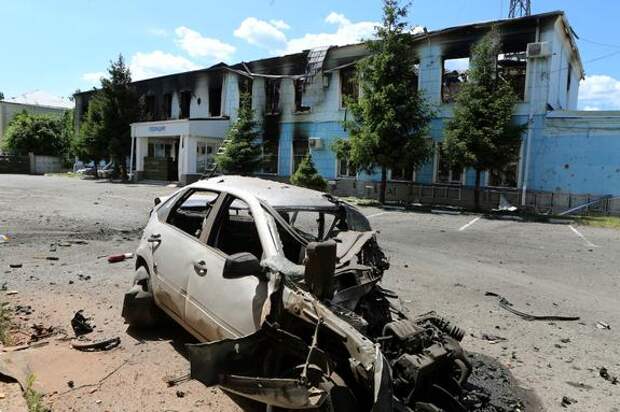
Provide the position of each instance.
(282, 285)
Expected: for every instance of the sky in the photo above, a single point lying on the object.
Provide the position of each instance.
(52, 48)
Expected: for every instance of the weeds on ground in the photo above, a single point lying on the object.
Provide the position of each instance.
(609, 222)
(34, 400)
(5, 324)
(358, 201)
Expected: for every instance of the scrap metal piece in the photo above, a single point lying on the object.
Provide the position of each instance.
(505, 304)
(81, 324)
(96, 345)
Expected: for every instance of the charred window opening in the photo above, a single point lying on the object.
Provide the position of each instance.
(215, 94)
(346, 169)
(272, 96)
(300, 150)
(446, 172)
(402, 174)
(506, 177)
(150, 108)
(512, 67)
(245, 87)
(300, 86)
(270, 155)
(167, 106)
(185, 101)
(416, 76)
(349, 85)
(569, 79)
(455, 71)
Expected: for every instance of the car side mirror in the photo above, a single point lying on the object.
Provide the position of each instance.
(241, 265)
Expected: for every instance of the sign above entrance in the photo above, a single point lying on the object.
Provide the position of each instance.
(157, 128)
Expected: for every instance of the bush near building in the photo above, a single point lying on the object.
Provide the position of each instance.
(306, 175)
(39, 134)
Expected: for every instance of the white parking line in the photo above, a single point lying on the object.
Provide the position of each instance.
(376, 214)
(469, 224)
(578, 233)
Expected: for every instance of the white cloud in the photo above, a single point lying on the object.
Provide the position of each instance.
(158, 63)
(346, 32)
(198, 46)
(41, 97)
(262, 34)
(158, 32)
(599, 92)
(279, 24)
(93, 79)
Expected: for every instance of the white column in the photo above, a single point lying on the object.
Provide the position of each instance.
(142, 149)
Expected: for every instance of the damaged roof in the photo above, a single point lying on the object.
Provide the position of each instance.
(278, 195)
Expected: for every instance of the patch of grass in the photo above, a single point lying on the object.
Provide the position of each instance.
(34, 399)
(5, 324)
(609, 222)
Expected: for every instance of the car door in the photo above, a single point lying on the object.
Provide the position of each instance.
(221, 307)
(177, 252)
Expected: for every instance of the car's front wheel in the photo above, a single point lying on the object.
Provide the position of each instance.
(139, 308)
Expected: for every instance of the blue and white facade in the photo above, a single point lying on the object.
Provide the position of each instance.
(298, 100)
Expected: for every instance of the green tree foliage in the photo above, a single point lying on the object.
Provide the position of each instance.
(241, 155)
(306, 175)
(105, 130)
(482, 135)
(1, 96)
(390, 119)
(39, 134)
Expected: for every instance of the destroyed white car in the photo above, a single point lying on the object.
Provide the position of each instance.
(281, 284)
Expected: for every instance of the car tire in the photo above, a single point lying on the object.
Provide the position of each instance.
(139, 308)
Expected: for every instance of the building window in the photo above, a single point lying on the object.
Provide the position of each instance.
(569, 76)
(416, 77)
(186, 99)
(512, 67)
(272, 96)
(150, 108)
(445, 172)
(167, 106)
(270, 155)
(215, 94)
(349, 86)
(345, 169)
(245, 87)
(454, 75)
(299, 92)
(506, 177)
(404, 174)
(300, 150)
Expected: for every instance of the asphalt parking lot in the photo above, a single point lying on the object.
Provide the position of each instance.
(439, 262)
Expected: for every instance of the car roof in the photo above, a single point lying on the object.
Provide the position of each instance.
(278, 195)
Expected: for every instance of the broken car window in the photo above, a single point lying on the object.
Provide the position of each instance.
(235, 230)
(192, 210)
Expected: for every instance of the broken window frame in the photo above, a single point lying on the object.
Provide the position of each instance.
(448, 94)
(185, 103)
(270, 157)
(245, 85)
(349, 85)
(190, 211)
(516, 75)
(451, 171)
(300, 86)
(300, 147)
(403, 174)
(167, 106)
(216, 93)
(345, 170)
(272, 96)
(150, 107)
(507, 177)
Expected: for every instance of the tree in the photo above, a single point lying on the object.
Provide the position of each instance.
(105, 130)
(241, 155)
(482, 135)
(306, 175)
(390, 119)
(36, 133)
(1, 96)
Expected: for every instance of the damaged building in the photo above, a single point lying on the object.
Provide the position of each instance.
(298, 100)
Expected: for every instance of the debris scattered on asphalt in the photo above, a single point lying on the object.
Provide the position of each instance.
(96, 345)
(505, 304)
(604, 373)
(11, 292)
(119, 258)
(70, 384)
(83, 277)
(41, 332)
(81, 324)
(15, 265)
(180, 379)
(492, 338)
(23, 310)
(4, 238)
(566, 401)
(602, 325)
(180, 394)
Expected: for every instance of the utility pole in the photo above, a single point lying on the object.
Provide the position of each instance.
(519, 8)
